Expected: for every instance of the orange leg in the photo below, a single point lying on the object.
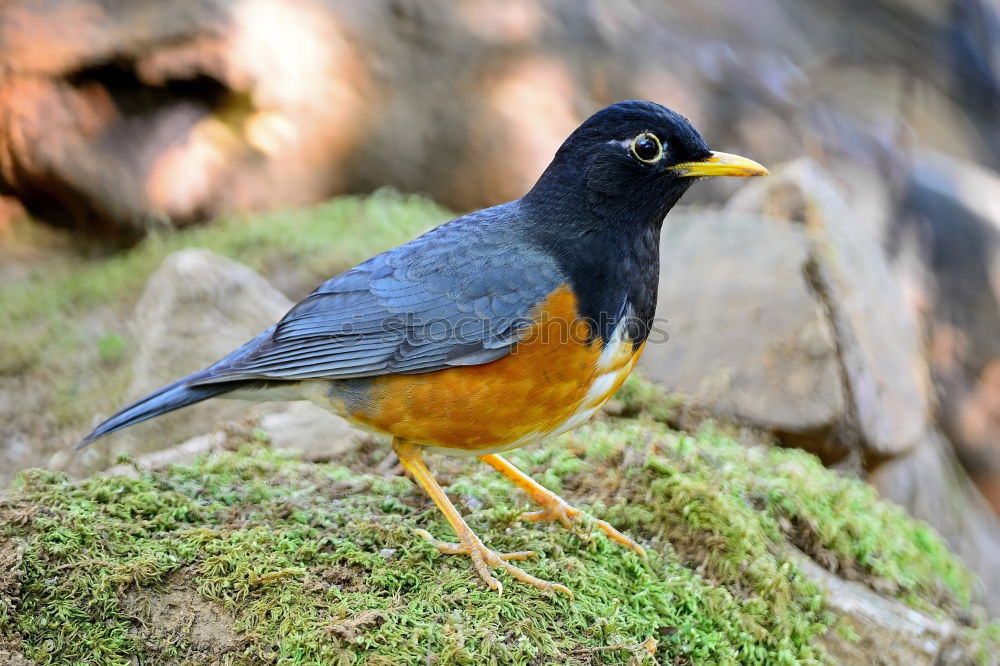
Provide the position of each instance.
(553, 506)
(483, 558)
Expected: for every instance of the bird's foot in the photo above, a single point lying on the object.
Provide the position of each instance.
(556, 509)
(553, 506)
(484, 560)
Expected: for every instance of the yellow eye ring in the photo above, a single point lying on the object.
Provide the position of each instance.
(647, 148)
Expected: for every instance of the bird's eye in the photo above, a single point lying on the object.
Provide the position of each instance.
(647, 147)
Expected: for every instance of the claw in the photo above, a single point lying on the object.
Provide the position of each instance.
(570, 518)
(449, 548)
(547, 515)
(484, 559)
(554, 507)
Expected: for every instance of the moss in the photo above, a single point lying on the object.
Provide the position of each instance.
(639, 396)
(111, 347)
(318, 563)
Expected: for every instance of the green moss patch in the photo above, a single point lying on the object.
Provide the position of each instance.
(287, 562)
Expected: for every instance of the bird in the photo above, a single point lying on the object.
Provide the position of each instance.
(495, 330)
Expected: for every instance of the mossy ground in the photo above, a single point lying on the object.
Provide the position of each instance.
(318, 564)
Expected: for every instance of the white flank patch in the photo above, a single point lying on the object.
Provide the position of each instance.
(581, 417)
(619, 348)
(600, 387)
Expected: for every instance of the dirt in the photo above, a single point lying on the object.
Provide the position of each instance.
(11, 553)
(177, 626)
(10, 653)
(351, 628)
(31, 402)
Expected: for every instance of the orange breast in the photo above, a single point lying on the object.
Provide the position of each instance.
(553, 375)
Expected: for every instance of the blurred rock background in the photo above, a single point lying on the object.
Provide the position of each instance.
(848, 305)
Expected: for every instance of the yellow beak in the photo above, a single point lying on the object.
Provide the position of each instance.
(720, 164)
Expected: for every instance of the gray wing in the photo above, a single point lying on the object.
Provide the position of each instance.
(461, 294)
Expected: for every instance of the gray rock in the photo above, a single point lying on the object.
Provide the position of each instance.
(933, 486)
(182, 454)
(315, 433)
(878, 339)
(747, 338)
(883, 625)
(947, 236)
(196, 308)
(882, 355)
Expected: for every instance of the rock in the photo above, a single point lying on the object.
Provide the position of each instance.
(181, 454)
(933, 486)
(878, 340)
(196, 308)
(316, 434)
(748, 340)
(882, 625)
(117, 117)
(947, 240)
(874, 308)
(311, 432)
(800, 329)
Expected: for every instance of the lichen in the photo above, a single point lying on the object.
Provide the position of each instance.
(318, 563)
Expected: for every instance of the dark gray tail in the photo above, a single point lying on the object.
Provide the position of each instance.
(167, 399)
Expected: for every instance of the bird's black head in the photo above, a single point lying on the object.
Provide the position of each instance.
(629, 163)
(598, 208)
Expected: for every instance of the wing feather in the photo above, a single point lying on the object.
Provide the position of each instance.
(460, 294)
